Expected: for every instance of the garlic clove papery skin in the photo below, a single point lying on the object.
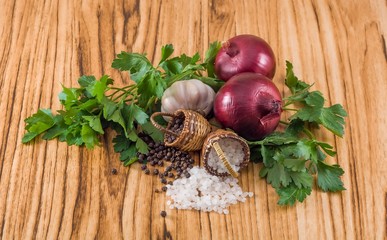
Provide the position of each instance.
(190, 94)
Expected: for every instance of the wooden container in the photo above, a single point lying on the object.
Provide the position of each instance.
(212, 142)
(192, 136)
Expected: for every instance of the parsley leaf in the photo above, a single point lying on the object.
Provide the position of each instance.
(89, 136)
(210, 56)
(126, 148)
(137, 65)
(291, 194)
(328, 177)
(166, 52)
(333, 119)
(38, 123)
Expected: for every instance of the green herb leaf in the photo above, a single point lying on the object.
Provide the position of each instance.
(150, 86)
(97, 88)
(277, 176)
(171, 66)
(166, 52)
(152, 131)
(292, 82)
(291, 194)
(38, 123)
(333, 119)
(137, 64)
(295, 164)
(126, 148)
(86, 81)
(58, 130)
(328, 177)
(210, 56)
(94, 123)
(302, 179)
(89, 136)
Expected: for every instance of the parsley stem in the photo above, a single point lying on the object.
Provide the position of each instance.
(124, 94)
(308, 133)
(130, 87)
(180, 76)
(284, 122)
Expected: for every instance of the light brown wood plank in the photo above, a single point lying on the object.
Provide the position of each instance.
(49, 190)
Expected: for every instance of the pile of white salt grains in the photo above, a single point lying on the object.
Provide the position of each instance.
(205, 192)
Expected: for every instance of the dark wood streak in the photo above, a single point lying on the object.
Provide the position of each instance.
(127, 15)
(79, 198)
(384, 46)
(7, 46)
(268, 212)
(38, 215)
(64, 192)
(100, 39)
(385, 211)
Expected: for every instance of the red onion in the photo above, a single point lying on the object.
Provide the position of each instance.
(250, 104)
(245, 53)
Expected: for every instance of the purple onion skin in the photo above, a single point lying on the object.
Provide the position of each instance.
(245, 53)
(250, 104)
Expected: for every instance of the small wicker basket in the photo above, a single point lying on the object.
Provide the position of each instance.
(195, 129)
(212, 141)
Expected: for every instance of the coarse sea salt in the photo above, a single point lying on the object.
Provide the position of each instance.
(205, 192)
(233, 151)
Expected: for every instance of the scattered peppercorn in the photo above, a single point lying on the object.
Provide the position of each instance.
(114, 171)
(159, 155)
(163, 214)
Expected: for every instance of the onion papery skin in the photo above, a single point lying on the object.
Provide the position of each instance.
(245, 53)
(250, 104)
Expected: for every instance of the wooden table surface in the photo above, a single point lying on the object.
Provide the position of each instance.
(49, 190)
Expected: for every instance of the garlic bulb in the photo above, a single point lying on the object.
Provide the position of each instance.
(188, 94)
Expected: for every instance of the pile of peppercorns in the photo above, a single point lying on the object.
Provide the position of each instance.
(177, 125)
(174, 162)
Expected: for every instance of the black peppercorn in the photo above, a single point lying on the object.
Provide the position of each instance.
(146, 171)
(163, 213)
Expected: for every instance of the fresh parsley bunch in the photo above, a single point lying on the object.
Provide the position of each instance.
(96, 104)
(292, 157)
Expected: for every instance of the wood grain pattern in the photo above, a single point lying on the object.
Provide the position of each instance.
(51, 191)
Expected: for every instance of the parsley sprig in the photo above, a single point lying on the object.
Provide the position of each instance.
(96, 104)
(292, 157)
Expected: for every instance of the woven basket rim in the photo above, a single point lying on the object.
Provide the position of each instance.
(216, 136)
